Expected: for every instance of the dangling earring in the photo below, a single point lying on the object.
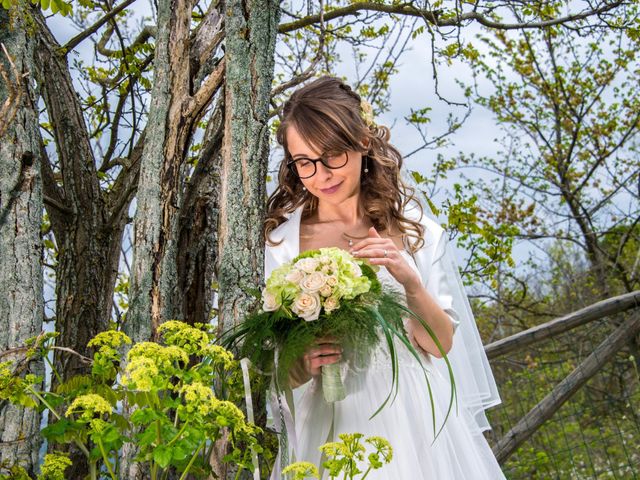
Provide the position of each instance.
(304, 189)
(366, 164)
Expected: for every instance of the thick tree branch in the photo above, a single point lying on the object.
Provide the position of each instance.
(71, 44)
(203, 96)
(149, 31)
(126, 184)
(53, 195)
(204, 41)
(60, 207)
(81, 187)
(434, 16)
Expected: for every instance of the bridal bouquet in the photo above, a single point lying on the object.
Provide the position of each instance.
(320, 293)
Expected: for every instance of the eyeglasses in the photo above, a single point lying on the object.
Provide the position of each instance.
(306, 167)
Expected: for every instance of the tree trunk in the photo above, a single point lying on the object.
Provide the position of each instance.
(88, 240)
(198, 244)
(251, 28)
(87, 223)
(21, 302)
(175, 109)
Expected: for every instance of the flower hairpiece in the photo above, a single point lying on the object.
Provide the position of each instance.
(366, 112)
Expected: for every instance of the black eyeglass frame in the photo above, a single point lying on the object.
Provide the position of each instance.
(322, 159)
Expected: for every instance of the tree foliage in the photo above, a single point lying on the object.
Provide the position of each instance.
(569, 166)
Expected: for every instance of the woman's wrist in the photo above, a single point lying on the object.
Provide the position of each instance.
(298, 374)
(413, 288)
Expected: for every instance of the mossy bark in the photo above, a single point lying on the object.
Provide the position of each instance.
(251, 29)
(21, 284)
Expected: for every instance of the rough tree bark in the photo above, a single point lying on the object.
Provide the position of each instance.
(174, 111)
(198, 243)
(178, 103)
(251, 28)
(21, 302)
(87, 223)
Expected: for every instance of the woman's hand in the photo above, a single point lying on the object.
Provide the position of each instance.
(325, 351)
(383, 251)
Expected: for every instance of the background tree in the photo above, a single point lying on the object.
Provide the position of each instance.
(569, 169)
(564, 189)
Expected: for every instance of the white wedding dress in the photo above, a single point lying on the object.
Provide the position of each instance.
(460, 451)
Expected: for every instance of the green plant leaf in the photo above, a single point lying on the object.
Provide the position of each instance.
(162, 455)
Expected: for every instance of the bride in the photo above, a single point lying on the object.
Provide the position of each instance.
(339, 185)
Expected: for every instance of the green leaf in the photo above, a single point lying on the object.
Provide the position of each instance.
(146, 438)
(55, 431)
(25, 400)
(162, 455)
(110, 435)
(120, 421)
(44, 4)
(180, 453)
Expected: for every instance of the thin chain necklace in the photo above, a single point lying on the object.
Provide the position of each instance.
(351, 238)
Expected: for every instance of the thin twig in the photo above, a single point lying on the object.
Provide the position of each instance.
(83, 359)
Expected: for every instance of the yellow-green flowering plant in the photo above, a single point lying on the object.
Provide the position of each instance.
(181, 396)
(53, 468)
(349, 458)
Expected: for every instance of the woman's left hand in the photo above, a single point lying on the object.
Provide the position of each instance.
(383, 251)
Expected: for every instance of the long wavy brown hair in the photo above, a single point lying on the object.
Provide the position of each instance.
(327, 114)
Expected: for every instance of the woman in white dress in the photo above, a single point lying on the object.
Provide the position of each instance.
(340, 186)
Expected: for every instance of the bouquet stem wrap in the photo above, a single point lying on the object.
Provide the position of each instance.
(332, 386)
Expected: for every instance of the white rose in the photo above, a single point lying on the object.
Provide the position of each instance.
(307, 265)
(294, 276)
(331, 304)
(332, 280)
(307, 306)
(269, 301)
(313, 282)
(324, 259)
(326, 290)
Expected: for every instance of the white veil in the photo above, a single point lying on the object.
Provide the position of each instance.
(475, 385)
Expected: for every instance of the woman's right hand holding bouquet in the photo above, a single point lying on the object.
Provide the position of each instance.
(325, 351)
